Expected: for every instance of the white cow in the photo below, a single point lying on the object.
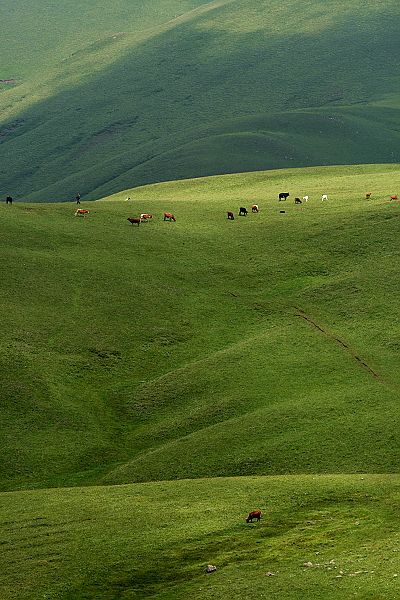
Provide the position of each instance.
(305, 198)
(324, 197)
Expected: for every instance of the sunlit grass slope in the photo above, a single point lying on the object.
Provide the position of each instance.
(204, 347)
(328, 537)
(155, 91)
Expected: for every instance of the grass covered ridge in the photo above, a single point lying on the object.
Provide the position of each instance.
(204, 347)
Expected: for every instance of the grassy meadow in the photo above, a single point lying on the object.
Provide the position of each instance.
(329, 537)
(158, 382)
(205, 347)
(212, 367)
(106, 100)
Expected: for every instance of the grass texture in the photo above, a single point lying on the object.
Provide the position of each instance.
(213, 367)
(332, 537)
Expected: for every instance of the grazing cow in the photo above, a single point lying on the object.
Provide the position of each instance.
(169, 216)
(134, 220)
(297, 201)
(305, 198)
(254, 208)
(368, 195)
(243, 212)
(393, 198)
(283, 195)
(231, 216)
(146, 216)
(9, 200)
(256, 514)
(81, 212)
(324, 197)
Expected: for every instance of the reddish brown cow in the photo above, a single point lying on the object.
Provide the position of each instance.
(256, 514)
(231, 215)
(254, 208)
(393, 198)
(146, 216)
(134, 220)
(169, 216)
(81, 212)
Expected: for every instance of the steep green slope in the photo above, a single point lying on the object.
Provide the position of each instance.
(227, 86)
(35, 37)
(203, 347)
(332, 537)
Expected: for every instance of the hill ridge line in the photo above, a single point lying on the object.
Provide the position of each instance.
(225, 350)
(146, 452)
(199, 10)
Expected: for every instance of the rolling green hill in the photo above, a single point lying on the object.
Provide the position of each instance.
(253, 363)
(205, 347)
(107, 99)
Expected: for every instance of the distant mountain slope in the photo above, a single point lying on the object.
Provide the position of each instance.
(183, 89)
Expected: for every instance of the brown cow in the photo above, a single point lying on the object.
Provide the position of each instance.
(231, 215)
(256, 514)
(169, 216)
(393, 198)
(254, 208)
(134, 220)
(146, 216)
(81, 212)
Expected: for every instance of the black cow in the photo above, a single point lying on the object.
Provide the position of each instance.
(243, 211)
(283, 195)
(9, 200)
(297, 201)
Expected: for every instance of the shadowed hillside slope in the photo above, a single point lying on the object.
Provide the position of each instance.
(202, 347)
(212, 87)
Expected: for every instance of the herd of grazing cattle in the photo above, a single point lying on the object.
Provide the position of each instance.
(243, 212)
(144, 217)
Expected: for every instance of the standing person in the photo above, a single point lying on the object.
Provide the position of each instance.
(9, 200)
(78, 198)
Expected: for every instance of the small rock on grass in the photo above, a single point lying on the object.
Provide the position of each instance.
(211, 568)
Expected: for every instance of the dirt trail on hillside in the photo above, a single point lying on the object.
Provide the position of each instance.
(346, 347)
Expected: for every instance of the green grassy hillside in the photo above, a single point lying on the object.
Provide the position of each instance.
(106, 100)
(328, 537)
(204, 347)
